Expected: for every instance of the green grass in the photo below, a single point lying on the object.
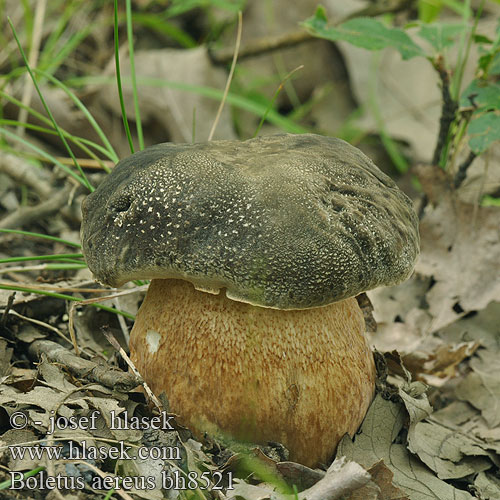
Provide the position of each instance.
(83, 177)
(4, 485)
(51, 59)
(41, 236)
(247, 96)
(253, 106)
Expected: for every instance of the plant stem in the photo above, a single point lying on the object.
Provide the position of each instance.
(462, 169)
(448, 113)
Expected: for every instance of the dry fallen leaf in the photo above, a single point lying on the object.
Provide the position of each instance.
(449, 453)
(482, 327)
(481, 387)
(380, 487)
(406, 93)
(173, 109)
(251, 492)
(488, 486)
(5, 357)
(415, 400)
(341, 478)
(19, 437)
(460, 249)
(377, 440)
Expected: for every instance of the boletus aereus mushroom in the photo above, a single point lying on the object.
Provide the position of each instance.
(256, 251)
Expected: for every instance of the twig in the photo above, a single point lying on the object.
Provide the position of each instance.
(341, 478)
(24, 215)
(39, 323)
(462, 169)
(10, 302)
(71, 328)
(291, 39)
(448, 111)
(131, 365)
(121, 320)
(263, 46)
(71, 312)
(25, 173)
(230, 76)
(102, 374)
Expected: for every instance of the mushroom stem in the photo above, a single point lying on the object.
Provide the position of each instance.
(300, 377)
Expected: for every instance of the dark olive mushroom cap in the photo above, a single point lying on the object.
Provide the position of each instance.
(282, 221)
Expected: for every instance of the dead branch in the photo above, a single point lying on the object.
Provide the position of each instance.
(268, 44)
(341, 478)
(25, 173)
(132, 367)
(24, 215)
(94, 372)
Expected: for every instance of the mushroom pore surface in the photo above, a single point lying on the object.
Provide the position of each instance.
(284, 221)
(303, 378)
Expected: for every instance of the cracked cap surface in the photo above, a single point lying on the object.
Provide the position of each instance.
(283, 221)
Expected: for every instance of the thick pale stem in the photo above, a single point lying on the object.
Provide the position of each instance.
(303, 378)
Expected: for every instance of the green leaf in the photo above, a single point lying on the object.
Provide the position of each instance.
(156, 23)
(490, 201)
(428, 10)
(179, 7)
(484, 131)
(365, 32)
(459, 7)
(489, 62)
(478, 38)
(495, 65)
(482, 94)
(441, 35)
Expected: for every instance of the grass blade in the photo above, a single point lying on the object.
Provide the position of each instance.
(79, 104)
(119, 81)
(7, 484)
(130, 37)
(238, 101)
(42, 153)
(275, 96)
(78, 141)
(67, 257)
(156, 23)
(230, 76)
(83, 178)
(41, 236)
(64, 297)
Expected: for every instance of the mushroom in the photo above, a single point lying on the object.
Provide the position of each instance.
(256, 251)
